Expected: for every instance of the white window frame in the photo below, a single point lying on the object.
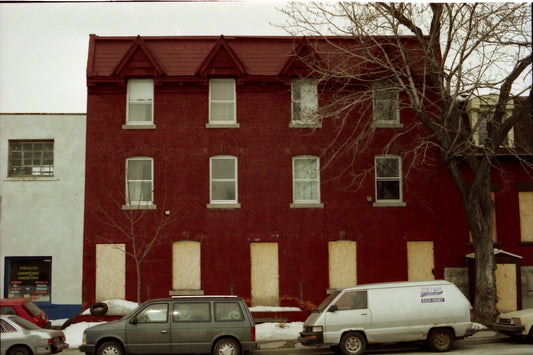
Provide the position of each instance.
(394, 120)
(306, 203)
(145, 100)
(132, 203)
(304, 94)
(234, 203)
(219, 123)
(477, 108)
(399, 178)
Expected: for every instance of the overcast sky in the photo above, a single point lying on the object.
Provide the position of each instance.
(43, 46)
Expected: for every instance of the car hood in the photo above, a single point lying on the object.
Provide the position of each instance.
(46, 333)
(109, 325)
(523, 313)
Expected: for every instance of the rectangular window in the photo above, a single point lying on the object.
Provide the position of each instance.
(31, 158)
(304, 102)
(191, 312)
(525, 201)
(386, 104)
(481, 114)
(228, 311)
(388, 175)
(29, 278)
(140, 101)
(222, 101)
(223, 173)
(139, 181)
(306, 179)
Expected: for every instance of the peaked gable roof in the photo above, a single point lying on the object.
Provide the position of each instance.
(294, 64)
(223, 59)
(139, 59)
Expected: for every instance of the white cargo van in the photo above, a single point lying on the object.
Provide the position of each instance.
(353, 317)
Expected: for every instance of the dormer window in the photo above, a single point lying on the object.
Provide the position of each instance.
(139, 111)
(304, 103)
(222, 103)
(386, 104)
(480, 112)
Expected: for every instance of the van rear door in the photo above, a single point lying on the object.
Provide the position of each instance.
(349, 312)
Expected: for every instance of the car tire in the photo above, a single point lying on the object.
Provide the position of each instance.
(353, 343)
(440, 340)
(19, 350)
(98, 309)
(225, 346)
(110, 348)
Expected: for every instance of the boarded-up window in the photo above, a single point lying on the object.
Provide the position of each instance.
(342, 263)
(110, 271)
(265, 274)
(525, 200)
(420, 261)
(186, 267)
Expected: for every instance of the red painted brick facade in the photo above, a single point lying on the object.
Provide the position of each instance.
(264, 145)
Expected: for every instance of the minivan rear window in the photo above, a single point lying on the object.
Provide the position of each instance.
(228, 311)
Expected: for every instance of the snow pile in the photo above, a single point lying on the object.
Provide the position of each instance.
(278, 331)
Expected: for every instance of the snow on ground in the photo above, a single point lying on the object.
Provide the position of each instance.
(263, 332)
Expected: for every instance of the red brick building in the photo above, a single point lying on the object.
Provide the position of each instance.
(213, 140)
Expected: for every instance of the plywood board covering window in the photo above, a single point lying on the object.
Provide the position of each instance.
(342, 263)
(110, 271)
(186, 266)
(264, 274)
(420, 261)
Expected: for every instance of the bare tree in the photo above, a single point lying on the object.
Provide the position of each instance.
(442, 58)
(137, 223)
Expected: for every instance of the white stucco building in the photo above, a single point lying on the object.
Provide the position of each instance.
(42, 174)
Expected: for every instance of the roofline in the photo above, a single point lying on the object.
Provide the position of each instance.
(215, 37)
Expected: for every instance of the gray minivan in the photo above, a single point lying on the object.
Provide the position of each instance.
(190, 324)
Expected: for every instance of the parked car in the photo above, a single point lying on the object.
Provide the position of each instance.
(26, 309)
(193, 324)
(21, 337)
(351, 318)
(515, 324)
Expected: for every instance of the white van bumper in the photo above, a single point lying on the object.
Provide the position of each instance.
(311, 338)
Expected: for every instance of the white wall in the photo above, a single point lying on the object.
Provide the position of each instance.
(44, 216)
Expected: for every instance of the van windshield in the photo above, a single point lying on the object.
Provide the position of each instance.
(327, 302)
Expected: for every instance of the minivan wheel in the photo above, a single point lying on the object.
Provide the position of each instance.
(352, 344)
(110, 348)
(226, 346)
(440, 340)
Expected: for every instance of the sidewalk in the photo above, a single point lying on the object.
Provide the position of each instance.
(482, 336)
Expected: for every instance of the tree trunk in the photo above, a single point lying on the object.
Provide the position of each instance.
(138, 269)
(479, 209)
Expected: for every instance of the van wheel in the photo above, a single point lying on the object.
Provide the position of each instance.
(110, 348)
(440, 340)
(352, 344)
(226, 346)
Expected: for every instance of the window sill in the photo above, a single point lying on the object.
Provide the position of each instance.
(304, 125)
(139, 126)
(129, 207)
(222, 125)
(386, 124)
(32, 178)
(389, 204)
(223, 206)
(307, 205)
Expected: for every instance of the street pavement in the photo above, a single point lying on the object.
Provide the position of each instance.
(483, 342)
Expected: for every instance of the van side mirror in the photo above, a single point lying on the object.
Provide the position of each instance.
(333, 308)
(134, 321)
